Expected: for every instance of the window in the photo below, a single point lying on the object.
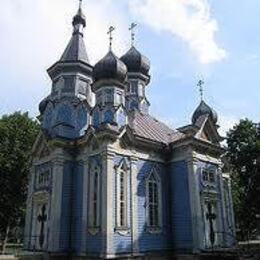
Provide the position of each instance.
(109, 96)
(94, 195)
(208, 175)
(43, 179)
(153, 201)
(134, 87)
(122, 184)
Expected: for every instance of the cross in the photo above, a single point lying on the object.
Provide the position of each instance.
(42, 219)
(111, 29)
(131, 28)
(80, 4)
(210, 217)
(200, 85)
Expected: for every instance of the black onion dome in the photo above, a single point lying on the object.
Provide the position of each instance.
(110, 67)
(136, 62)
(204, 109)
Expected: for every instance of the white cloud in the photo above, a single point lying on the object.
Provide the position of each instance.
(190, 20)
(35, 33)
(226, 123)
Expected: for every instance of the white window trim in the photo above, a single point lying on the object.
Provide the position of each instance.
(154, 229)
(122, 229)
(209, 183)
(94, 168)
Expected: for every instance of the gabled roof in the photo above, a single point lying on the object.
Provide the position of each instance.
(75, 50)
(146, 126)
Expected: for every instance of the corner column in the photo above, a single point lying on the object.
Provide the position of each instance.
(195, 201)
(107, 210)
(56, 202)
(134, 205)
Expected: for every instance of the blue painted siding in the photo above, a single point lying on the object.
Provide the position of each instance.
(77, 200)
(180, 206)
(65, 227)
(149, 241)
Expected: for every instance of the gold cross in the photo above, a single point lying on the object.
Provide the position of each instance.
(131, 28)
(111, 29)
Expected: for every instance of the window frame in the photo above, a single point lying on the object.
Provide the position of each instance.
(209, 173)
(154, 228)
(94, 218)
(122, 170)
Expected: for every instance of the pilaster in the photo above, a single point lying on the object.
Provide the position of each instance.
(196, 214)
(134, 204)
(55, 203)
(84, 205)
(29, 210)
(107, 223)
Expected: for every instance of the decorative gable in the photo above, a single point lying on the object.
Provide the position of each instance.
(208, 130)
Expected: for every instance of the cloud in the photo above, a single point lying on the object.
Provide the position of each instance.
(190, 20)
(35, 33)
(226, 123)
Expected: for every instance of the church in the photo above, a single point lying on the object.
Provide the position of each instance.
(108, 180)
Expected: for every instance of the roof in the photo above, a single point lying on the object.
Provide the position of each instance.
(146, 126)
(75, 50)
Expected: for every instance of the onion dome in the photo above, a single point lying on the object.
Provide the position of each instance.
(110, 67)
(204, 109)
(136, 62)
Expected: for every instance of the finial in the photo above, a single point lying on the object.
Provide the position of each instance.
(80, 4)
(131, 28)
(200, 85)
(111, 29)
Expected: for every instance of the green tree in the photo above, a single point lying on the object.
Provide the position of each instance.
(243, 154)
(17, 135)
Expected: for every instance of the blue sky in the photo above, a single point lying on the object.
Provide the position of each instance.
(184, 39)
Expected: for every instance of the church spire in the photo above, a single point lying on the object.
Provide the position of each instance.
(76, 50)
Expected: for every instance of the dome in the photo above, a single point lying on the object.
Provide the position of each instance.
(204, 109)
(136, 62)
(110, 67)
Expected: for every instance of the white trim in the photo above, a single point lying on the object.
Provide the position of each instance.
(94, 182)
(123, 169)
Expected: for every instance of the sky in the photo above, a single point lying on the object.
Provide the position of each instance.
(185, 40)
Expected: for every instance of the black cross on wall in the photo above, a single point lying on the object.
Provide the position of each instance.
(42, 219)
(211, 216)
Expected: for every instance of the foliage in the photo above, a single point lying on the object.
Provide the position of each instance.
(17, 135)
(244, 154)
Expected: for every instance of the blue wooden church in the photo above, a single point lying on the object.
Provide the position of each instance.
(108, 180)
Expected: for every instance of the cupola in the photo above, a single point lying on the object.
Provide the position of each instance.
(204, 109)
(136, 62)
(110, 68)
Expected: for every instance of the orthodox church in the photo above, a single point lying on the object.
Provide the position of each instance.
(108, 180)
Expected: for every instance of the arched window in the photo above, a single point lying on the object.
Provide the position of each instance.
(94, 196)
(121, 202)
(153, 188)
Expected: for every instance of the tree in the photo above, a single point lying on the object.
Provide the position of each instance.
(17, 135)
(243, 153)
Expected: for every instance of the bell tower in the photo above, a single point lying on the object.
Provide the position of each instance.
(65, 112)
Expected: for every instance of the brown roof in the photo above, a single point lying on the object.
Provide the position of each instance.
(146, 126)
